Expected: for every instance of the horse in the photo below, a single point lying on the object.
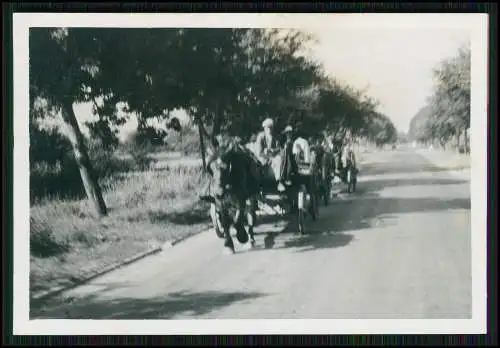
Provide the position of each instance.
(351, 171)
(319, 185)
(308, 176)
(235, 181)
(326, 168)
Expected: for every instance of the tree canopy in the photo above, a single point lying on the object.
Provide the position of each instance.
(230, 79)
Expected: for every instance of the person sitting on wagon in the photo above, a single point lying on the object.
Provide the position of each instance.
(301, 149)
(349, 157)
(269, 154)
(338, 161)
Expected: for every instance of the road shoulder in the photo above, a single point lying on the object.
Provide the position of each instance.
(457, 165)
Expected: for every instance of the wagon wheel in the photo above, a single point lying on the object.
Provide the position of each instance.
(326, 192)
(325, 185)
(318, 191)
(315, 198)
(216, 222)
(301, 209)
(349, 180)
(351, 175)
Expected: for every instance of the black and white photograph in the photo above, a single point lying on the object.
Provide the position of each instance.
(172, 170)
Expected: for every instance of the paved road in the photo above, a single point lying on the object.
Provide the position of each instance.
(398, 248)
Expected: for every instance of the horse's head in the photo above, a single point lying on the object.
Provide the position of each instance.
(224, 171)
(220, 170)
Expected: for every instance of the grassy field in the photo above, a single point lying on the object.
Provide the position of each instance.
(145, 208)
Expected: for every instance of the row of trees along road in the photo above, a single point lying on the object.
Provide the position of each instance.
(228, 80)
(446, 117)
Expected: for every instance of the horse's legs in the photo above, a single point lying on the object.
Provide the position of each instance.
(226, 226)
(228, 242)
(251, 218)
(239, 222)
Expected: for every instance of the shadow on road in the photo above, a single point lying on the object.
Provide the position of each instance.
(376, 212)
(317, 236)
(189, 303)
(370, 211)
(404, 168)
(313, 240)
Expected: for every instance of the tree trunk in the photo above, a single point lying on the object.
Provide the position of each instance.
(82, 159)
(202, 145)
(217, 126)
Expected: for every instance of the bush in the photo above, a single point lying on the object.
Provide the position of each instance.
(43, 242)
(47, 145)
(187, 142)
(58, 175)
(149, 197)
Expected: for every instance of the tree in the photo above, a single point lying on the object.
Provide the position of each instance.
(55, 75)
(79, 65)
(402, 137)
(279, 80)
(158, 70)
(418, 130)
(447, 114)
(381, 130)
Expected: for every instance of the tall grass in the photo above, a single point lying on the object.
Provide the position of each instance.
(148, 197)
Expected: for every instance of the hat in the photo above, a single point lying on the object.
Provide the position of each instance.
(288, 129)
(267, 123)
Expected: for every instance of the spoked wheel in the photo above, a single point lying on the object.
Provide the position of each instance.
(351, 181)
(326, 194)
(352, 186)
(313, 206)
(354, 180)
(216, 222)
(316, 193)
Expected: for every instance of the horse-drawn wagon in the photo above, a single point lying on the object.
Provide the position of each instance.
(238, 188)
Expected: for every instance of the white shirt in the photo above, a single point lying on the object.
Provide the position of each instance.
(300, 145)
(346, 154)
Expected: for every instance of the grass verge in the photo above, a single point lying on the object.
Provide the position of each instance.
(447, 160)
(148, 207)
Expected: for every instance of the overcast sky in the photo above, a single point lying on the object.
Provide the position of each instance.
(396, 63)
(392, 55)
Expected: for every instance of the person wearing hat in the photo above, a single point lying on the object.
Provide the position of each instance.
(301, 149)
(348, 156)
(268, 152)
(266, 142)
